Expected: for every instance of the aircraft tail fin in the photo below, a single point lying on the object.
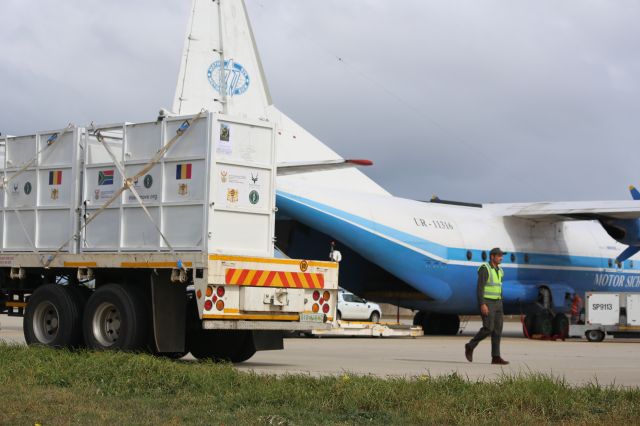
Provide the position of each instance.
(221, 70)
(635, 194)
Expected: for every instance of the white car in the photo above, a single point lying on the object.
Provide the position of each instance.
(352, 307)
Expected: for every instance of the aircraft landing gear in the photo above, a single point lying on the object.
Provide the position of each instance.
(437, 324)
(541, 322)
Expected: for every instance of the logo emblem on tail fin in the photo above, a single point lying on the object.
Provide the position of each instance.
(235, 78)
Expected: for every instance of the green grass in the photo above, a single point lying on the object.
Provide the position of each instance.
(39, 385)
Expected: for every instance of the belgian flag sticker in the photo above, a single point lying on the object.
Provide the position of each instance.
(183, 171)
(55, 177)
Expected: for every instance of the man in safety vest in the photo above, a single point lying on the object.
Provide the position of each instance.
(490, 300)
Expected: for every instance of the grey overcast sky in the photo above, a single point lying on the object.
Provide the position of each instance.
(478, 100)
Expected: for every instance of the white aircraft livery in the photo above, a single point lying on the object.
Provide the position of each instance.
(419, 255)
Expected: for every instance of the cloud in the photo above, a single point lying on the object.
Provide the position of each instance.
(473, 100)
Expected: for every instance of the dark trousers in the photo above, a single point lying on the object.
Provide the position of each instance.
(491, 326)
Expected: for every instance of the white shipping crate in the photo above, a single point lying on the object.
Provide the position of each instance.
(40, 192)
(603, 308)
(633, 309)
(212, 191)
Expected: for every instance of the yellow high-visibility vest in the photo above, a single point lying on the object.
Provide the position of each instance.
(493, 288)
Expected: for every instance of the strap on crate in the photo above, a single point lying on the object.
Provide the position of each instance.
(50, 141)
(4, 184)
(128, 182)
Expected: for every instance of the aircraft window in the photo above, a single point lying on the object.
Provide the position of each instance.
(610, 263)
(484, 255)
(619, 265)
(513, 258)
(469, 255)
(631, 264)
(526, 258)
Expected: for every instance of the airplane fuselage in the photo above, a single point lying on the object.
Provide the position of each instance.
(437, 248)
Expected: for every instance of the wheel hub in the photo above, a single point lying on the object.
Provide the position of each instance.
(45, 322)
(106, 324)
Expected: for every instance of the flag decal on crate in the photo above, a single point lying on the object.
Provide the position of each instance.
(183, 171)
(55, 177)
(105, 177)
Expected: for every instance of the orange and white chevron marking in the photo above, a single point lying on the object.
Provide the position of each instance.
(257, 278)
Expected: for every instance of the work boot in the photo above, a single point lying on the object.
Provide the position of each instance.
(499, 361)
(468, 352)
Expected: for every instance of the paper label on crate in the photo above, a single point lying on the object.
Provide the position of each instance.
(225, 140)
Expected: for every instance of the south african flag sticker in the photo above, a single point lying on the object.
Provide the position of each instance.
(105, 177)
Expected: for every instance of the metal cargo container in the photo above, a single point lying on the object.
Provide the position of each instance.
(206, 187)
(40, 190)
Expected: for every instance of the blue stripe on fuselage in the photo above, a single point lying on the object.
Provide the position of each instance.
(452, 286)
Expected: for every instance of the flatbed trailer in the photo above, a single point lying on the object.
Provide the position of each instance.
(368, 329)
(153, 236)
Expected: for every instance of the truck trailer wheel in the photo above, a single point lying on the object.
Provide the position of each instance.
(217, 345)
(594, 335)
(53, 317)
(116, 318)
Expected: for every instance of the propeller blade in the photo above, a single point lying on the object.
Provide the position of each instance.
(630, 251)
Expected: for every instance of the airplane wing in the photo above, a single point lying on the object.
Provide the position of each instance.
(578, 210)
(620, 219)
(317, 166)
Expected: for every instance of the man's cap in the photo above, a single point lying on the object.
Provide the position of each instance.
(497, 252)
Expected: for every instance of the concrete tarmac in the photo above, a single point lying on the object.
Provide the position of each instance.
(612, 362)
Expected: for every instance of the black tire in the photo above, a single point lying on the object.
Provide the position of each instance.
(53, 317)
(116, 318)
(375, 317)
(217, 345)
(425, 320)
(434, 324)
(430, 323)
(594, 335)
(561, 326)
(543, 324)
(449, 324)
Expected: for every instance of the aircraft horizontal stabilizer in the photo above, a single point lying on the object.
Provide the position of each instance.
(285, 169)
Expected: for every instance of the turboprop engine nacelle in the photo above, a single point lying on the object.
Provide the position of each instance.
(624, 231)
